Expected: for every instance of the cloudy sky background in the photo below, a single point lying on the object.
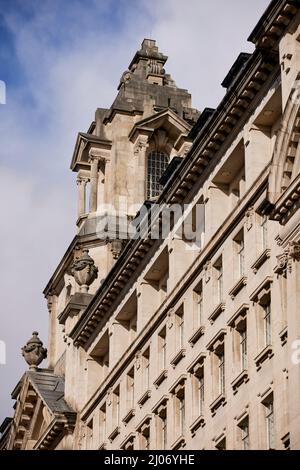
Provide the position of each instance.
(61, 59)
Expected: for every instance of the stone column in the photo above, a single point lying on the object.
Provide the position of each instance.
(140, 152)
(81, 183)
(94, 183)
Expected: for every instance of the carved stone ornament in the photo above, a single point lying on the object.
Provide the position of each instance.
(249, 218)
(294, 250)
(116, 248)
(207, 271)
(140, 146)
(84, 271)
(282, 262)
(33, 351)
(285, 260)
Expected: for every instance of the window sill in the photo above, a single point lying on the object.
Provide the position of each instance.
(242, 378)
(144, 398)
(217, 312)
(238, 287)
(198, 423)
(129, 416)
(178, 444)
(220, 401)
(177, 358)
(261, 260)
(114, 434)
(266, 353)
(197, 335)
(160, 378)
(284, 336)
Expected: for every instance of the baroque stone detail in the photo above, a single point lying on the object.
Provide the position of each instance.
(207, 271)
(84, 271)
(249, 218)
(294, 250)
(33, 351)
(141, 146)
(116, 248)
(285, 260)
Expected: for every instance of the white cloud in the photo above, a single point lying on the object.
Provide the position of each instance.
(72, 59)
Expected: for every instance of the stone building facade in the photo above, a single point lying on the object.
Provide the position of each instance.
(189, 340)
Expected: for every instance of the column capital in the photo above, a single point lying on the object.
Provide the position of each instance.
(82, 180)
(96, 155)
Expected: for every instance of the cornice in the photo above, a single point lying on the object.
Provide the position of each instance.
(273, 23)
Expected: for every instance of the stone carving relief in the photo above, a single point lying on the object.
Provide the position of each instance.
(286, 259)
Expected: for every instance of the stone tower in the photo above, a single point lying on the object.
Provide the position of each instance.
(119, 162)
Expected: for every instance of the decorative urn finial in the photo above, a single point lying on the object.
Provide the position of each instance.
(33, 351)
(84, 271)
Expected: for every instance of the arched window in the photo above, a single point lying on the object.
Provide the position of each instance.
(156, 165)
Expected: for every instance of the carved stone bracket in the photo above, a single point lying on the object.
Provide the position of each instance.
(116, 248)
(138, 360)
(249, 218)
(207, 271)
(286, 259)
(141, 145)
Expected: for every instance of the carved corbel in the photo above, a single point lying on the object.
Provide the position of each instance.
(141, 145)
(249, 218)
(207, 271)
(282, 263)
(293, 253)
(138, 360)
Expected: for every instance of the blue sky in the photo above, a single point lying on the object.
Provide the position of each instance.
(61, 59)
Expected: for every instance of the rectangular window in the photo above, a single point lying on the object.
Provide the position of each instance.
(269, 416)
(146, 369)
(179, 410)
(264, 232)
(198, 306)
(182, 413)
(240, 254)
(162, 427)
(243, 349)
(145, 436)
(179, 321)
(130, 390)
(198, 391)
(244, 429)
(267, 324)
(102, 423)
(221, 359)
(200, 395)
(162, 349)
(218, 268)
(116, 407)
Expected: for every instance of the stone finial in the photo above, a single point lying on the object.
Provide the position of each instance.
(84, 271)
(33, 351)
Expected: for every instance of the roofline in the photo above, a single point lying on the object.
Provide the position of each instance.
(268, 18)
(261, 65)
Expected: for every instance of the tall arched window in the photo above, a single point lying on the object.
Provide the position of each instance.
(156, 165)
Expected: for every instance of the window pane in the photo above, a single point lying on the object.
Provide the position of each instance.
(156, 166)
